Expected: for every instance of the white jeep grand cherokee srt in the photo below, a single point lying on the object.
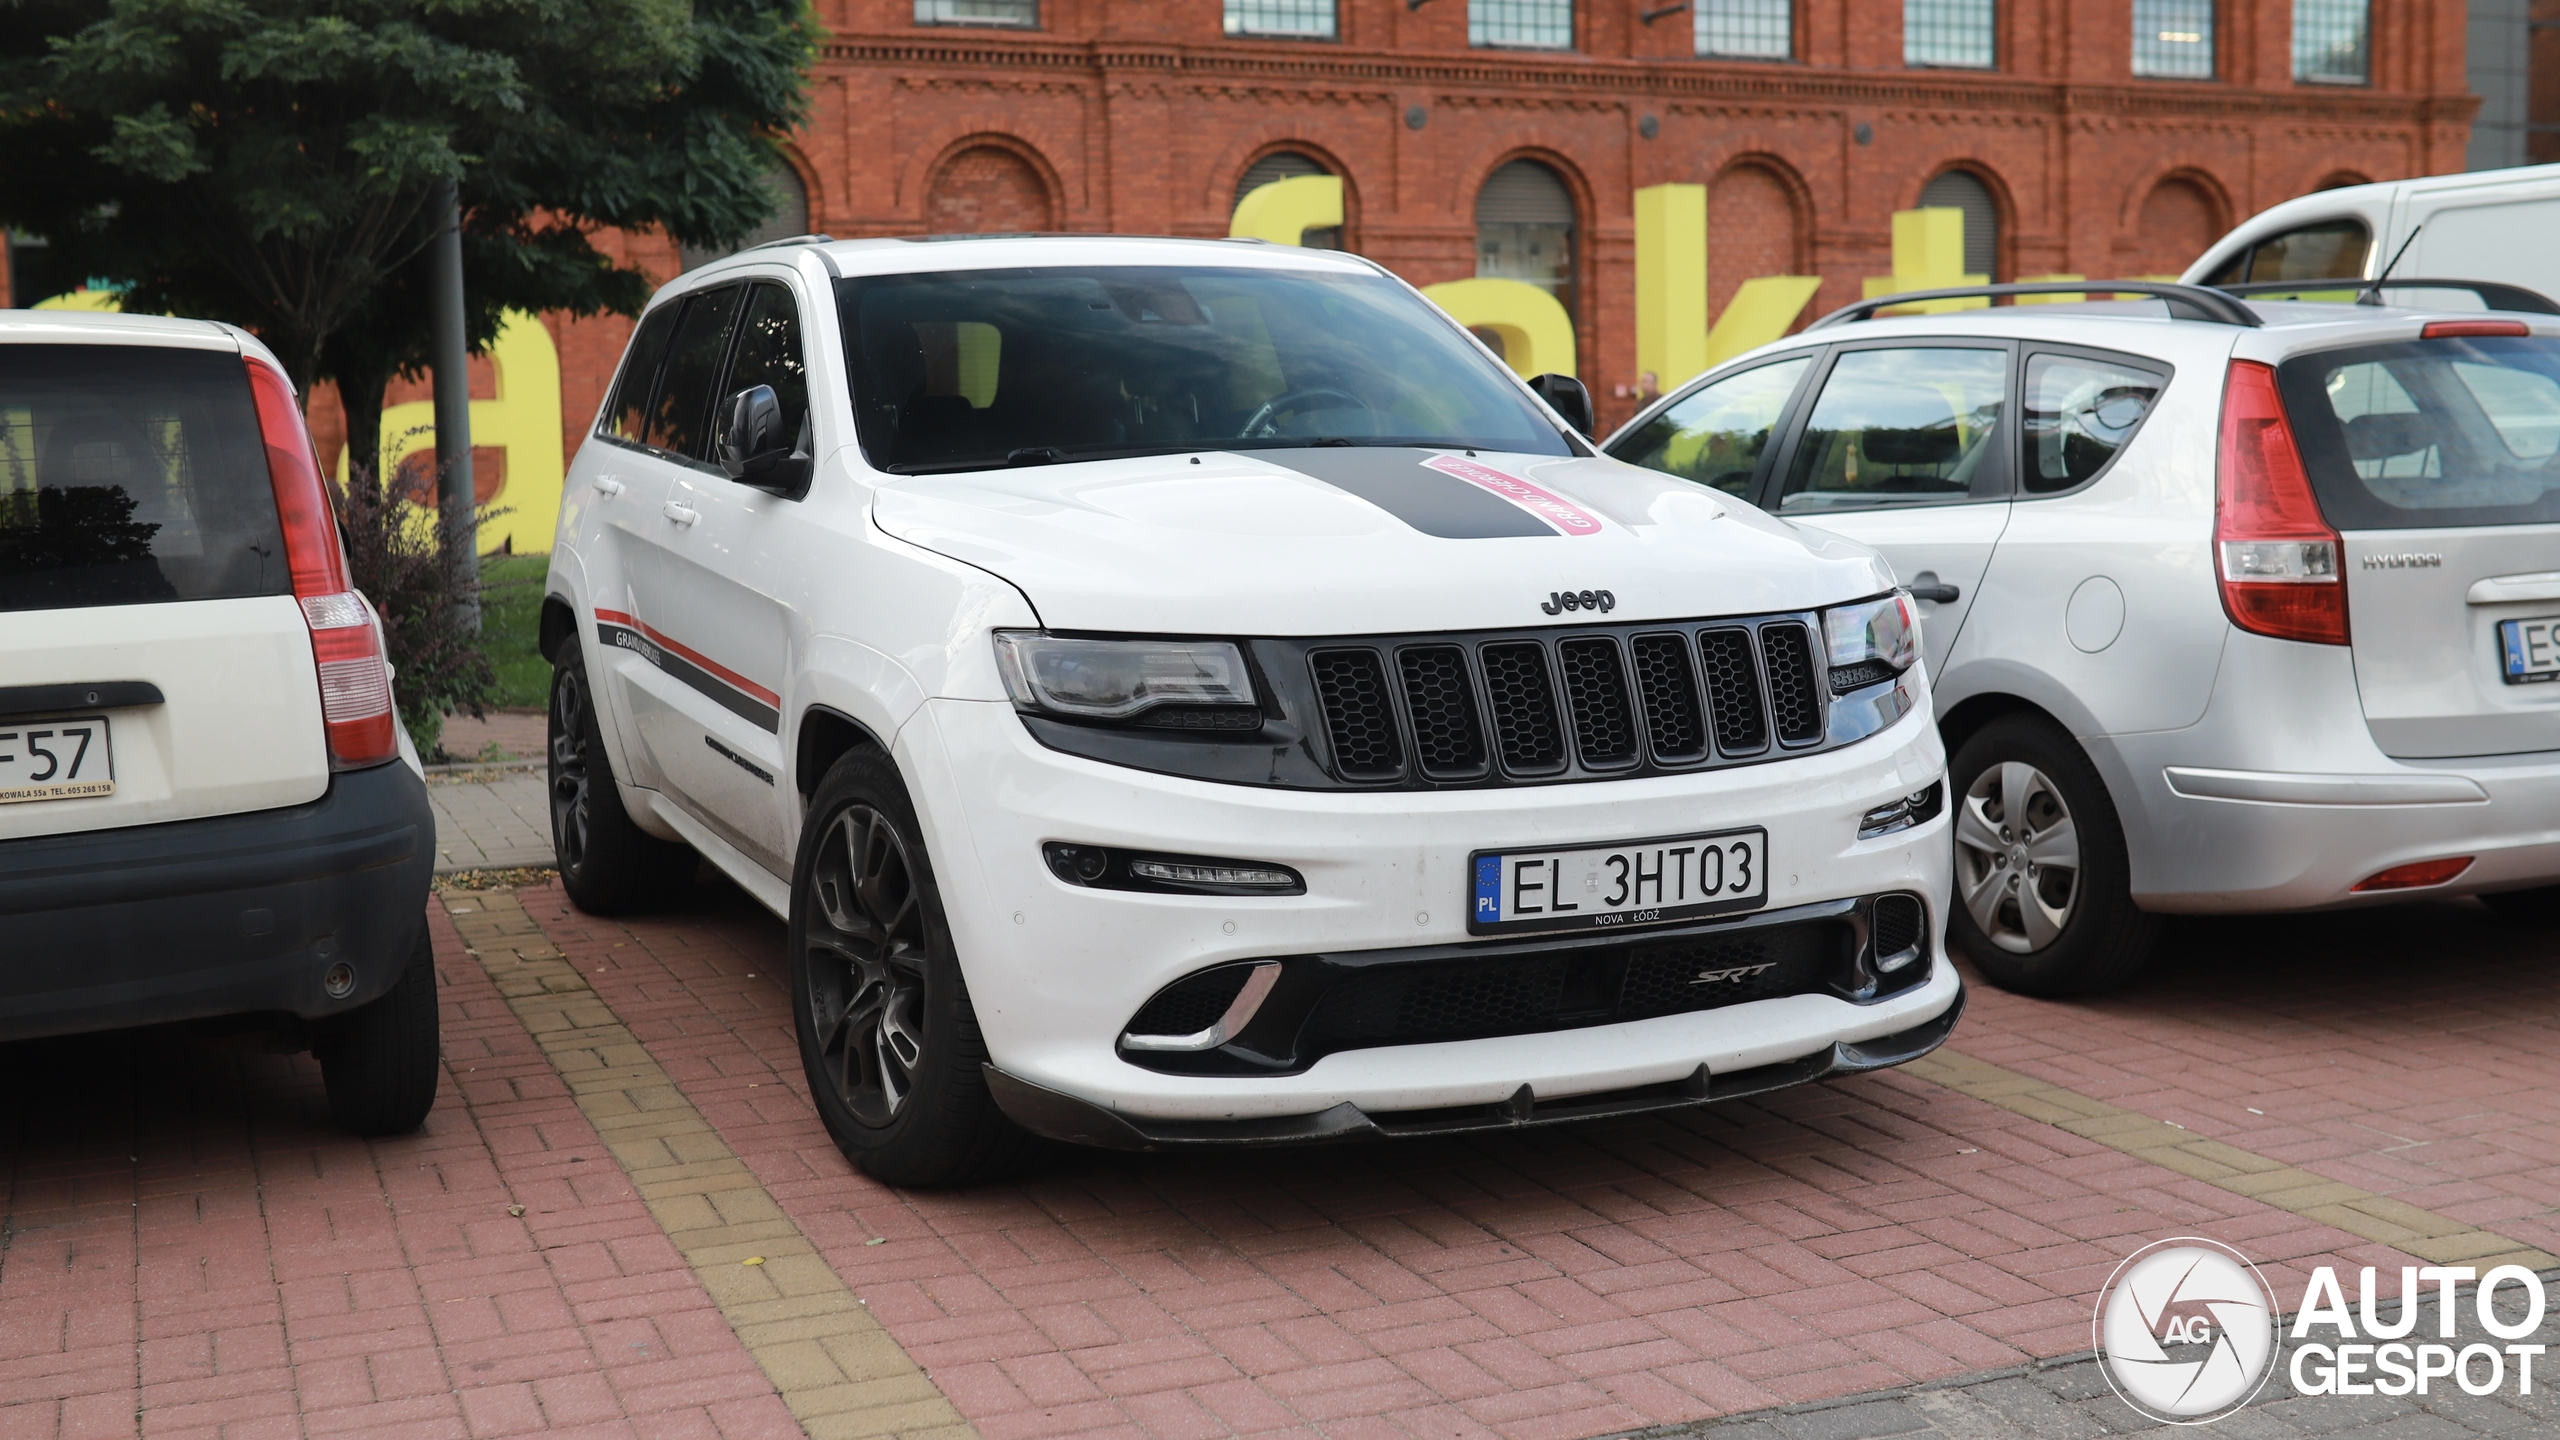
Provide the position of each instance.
(1189, 693)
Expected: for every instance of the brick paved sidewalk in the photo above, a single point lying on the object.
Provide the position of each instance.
(186, 1248)
(490, 819)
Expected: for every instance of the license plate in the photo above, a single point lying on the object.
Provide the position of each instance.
(2531, 649)
(55, 760)
(1635, 882)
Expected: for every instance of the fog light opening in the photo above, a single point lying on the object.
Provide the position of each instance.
(2416, 876)
(339, 980)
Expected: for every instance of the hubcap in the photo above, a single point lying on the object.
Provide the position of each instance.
(2017, 857)
(865, 951)
(569, 769)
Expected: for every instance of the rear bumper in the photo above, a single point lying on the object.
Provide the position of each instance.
(223, 916)
(1060, 1116)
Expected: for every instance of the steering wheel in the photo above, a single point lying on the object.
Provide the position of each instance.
(1255, 428)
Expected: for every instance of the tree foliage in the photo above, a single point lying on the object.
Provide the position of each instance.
(273, 162)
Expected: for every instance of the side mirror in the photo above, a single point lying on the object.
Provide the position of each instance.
(754, 451)
(1568, 397)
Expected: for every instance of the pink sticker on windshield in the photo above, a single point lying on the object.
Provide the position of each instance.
(1554, 509)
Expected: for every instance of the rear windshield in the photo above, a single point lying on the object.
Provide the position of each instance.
(982, 368)
(131, 474)
(2431, 433)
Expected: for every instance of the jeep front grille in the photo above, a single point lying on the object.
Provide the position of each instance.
(1574, 704)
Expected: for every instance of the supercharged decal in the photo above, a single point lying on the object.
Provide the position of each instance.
(1563, 514)
(732, 691)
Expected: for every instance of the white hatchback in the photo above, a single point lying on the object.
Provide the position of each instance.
(208, 810)
(1188, 693)
(2232, 605)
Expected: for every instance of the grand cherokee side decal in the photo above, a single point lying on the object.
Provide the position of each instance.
(727, 688)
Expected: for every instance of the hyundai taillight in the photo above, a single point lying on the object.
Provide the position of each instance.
(2277, 557)
(346, 644)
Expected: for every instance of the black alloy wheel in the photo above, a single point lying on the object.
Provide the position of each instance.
(866, 951)
(2043, 883)
(888, 1039)
(608, 864)
(569, 778)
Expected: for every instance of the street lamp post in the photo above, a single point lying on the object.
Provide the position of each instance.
(460, 525)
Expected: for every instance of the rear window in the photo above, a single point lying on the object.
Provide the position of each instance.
(2431, 433)
(131, 474)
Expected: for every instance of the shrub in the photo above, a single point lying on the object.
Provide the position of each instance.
(438, 664)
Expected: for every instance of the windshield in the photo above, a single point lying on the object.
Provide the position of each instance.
(981, 368)
(2431, 433)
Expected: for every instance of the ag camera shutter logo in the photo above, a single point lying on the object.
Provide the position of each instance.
(2186, 1330)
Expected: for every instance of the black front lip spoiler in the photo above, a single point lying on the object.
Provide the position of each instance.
(1060, 1116)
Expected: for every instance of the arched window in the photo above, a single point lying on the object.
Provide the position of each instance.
(1287, 165)
(790, 216)
(1963, 190)
(987, 190)
(1524, 229)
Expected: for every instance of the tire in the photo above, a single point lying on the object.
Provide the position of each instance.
(609, 865)
(888, 1039)
(2045, 908)
(2538, 907)
(378, 1061)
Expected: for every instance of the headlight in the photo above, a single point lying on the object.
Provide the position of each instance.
(1118, 679)
(1871, 641)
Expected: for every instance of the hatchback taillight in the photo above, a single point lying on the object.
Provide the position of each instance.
(2278, 559)
(346, 643)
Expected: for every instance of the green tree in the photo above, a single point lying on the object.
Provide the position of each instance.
(273, 162)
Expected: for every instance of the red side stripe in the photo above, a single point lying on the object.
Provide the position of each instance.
(617, 617)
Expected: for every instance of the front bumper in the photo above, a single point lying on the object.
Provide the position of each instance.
(1061, 1116)
(223, 916)
(1056, 971)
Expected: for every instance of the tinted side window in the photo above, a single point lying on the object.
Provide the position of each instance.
(1717, 434)
(130, 474)
(2330, 250)
(1900, 427)
(2078, 414)
(628, 417)
(679, 419)
(768, 353)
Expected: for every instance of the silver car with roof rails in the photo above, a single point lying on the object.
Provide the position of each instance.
(2232, 602)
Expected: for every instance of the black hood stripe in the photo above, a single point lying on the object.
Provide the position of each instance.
(1394, 480)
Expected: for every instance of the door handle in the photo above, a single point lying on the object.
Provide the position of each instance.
(607, 486)
(681, 514)
(1937, 594)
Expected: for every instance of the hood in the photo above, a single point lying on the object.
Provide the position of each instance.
(1351, 541)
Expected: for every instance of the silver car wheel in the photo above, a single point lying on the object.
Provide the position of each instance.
(2017, 857)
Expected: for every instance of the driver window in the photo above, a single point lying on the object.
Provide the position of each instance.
(768, 353)
(1901, 427)
(1715, 435)
(2330, 250)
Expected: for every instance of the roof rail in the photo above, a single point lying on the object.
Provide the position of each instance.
(2496, 294)
(2185, 302)
(792, 240)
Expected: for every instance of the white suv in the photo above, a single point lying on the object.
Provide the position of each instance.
(1188, 693)
(208, 810)
(2232, 605)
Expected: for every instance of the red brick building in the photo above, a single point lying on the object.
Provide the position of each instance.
(1143, 116)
